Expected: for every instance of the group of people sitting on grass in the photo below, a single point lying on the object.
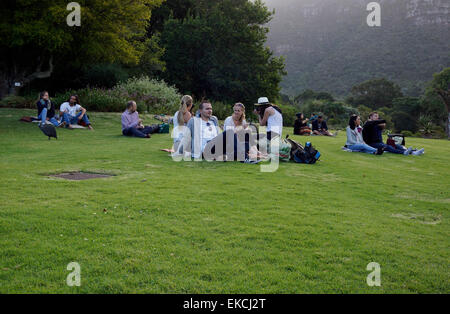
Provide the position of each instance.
(316, 125)
(369, 138)
(199, 135)
(204, 133)
(70, 112)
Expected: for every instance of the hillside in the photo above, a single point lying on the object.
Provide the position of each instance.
(329, 46)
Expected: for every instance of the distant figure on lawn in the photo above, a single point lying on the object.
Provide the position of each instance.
(373, 136)
(132, 125)
(355, 140)
(181, 118)
(237, 120)
(320, 127)
(271, 116)
(301, 125)
(46, 110)
(72, 113)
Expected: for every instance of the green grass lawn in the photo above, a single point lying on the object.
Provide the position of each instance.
(204, 227)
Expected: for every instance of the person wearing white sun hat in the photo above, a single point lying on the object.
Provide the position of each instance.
(270, 116)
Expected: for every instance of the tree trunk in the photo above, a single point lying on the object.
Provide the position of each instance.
(445, 96)
(448, 127)
(7, 82)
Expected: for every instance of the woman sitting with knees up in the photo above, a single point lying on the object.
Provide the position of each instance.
(355, 140)
(181, 118)
(46, 110)
(237, 120)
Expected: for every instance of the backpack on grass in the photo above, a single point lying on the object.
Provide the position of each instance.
(164, 128)
(303, 155)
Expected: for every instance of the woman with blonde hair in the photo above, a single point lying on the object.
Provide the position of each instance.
(237, 120)
(183, 115)
(181, 118)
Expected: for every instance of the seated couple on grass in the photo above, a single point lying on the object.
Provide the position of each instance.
(133, 126)
(369, 139)
(201, 137)
(70, 112)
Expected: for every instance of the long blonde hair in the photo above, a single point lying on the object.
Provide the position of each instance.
(242, 118)
(186, 101)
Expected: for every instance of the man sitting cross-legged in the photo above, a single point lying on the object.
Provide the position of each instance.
(72, 113)
(132, 125)
(319, 127)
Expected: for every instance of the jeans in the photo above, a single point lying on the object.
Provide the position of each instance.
(43, 117)
(388, 148)
(362, 148)
(141, 133)
(74, 119)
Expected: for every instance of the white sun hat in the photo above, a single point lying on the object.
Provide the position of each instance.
(263, 101)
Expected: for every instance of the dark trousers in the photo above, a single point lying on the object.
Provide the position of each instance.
(388, 148)
(142, 133)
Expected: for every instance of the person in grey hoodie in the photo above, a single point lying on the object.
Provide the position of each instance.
(355, 140)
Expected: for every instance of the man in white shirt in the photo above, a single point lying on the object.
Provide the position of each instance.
(73, 113)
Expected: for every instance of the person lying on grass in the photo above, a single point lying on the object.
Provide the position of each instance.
(319, 127)
(133, 126)
(72, 113)
(355, 140)
(46, 109)
(373, 136)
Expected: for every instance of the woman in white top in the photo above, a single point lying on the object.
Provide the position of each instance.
(270, 116)
(182, 117)
(237, 120)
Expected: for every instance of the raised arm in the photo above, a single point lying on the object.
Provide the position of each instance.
(267, 114)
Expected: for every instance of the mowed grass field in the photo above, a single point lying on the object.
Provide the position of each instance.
(193, 227)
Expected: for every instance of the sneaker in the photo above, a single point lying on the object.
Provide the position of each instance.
(249, 161)
(408, 151)
(379, 151)
(418, 152)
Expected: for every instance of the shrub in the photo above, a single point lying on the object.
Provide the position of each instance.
(221, 110)
(28, 102)
(150, 95)
(156, 95)
(407, 133)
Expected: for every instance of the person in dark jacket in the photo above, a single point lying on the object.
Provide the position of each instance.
(373, 135)
(301, 125)
(46, 109)
(319, 127)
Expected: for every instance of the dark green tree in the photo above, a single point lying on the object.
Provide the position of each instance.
(405, 113)
(310, 94)
(440, 86)
(376, 93)
(219, 51)
(35, 38)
